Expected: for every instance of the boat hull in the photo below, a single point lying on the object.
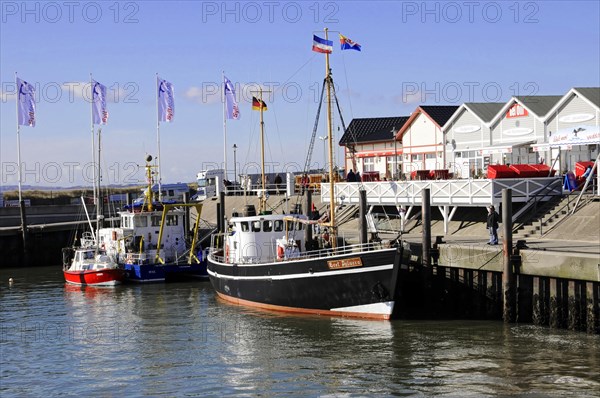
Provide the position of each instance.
(105, 277)
(354, 285)
(148, 273)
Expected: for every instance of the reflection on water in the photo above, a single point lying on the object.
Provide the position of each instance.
(178, 339)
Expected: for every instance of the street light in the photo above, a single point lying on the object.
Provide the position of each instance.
(234, 163)
(324, 151)
(394, 132)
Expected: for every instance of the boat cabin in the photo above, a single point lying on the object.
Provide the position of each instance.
(139, 234)
(254, 239)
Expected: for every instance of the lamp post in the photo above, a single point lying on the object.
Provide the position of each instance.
(324, 151)
(234, 163)
(394, 132)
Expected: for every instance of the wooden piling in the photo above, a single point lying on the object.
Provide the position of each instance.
(362, 215)
(223, 211)
(426, 220)
(308, 230)
(508, 280)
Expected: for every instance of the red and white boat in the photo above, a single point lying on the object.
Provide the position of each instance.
(91, 267)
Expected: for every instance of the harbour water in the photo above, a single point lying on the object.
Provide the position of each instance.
(180, 340)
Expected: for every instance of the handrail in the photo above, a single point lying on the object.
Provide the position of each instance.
(534, 201)
(320, 253)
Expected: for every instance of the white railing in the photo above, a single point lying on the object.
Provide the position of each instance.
(465, 192)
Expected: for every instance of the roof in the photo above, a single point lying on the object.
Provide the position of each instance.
(539, 104)
(372, 129)
(485, 110)
(439, 113)
(591, 93)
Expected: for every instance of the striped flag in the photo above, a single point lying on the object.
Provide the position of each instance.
(25, 103)
(257, 104)
(233, 111)
(322, 45)
(166, 101)
(99, 110)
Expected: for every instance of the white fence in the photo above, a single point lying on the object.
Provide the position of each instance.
(465, 192)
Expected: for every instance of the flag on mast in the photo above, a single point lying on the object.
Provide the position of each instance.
(166, 101)
(233, 111)
(99, 110)
(257, 104)
(25, 103)
(322, 45)
(347, 44)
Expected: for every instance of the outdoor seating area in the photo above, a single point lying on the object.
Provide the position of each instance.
(519, 171)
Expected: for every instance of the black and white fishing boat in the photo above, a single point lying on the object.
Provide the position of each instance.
(262, 261)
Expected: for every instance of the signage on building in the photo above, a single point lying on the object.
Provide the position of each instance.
(576, 118)
(517, 110)
(518, 131)
(468, 128)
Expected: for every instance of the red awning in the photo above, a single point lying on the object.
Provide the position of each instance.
(370, 154)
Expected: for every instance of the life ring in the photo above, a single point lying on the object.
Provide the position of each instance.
(280, 252)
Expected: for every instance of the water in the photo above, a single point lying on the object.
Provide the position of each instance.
(179, 340)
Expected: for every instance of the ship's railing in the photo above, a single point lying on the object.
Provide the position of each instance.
(465, 192)
(218, 255)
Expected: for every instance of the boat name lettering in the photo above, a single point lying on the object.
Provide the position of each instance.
(345, 263)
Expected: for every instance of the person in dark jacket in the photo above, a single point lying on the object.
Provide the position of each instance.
(350, 177)
(492, 224)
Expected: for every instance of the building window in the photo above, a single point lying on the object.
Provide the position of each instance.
(430, 156)
(368, 164)
(417, 157)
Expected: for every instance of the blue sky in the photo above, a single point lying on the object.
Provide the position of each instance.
(413, 53)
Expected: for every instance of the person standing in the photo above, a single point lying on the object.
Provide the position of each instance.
(492, 224)
(350, 177)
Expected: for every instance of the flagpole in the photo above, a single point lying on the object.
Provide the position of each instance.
(93, 139)
(224, 129)
(158, 144)
(18, 136)
(333, 228)
(21, 202)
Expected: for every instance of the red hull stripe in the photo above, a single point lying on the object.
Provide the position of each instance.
(282, 308)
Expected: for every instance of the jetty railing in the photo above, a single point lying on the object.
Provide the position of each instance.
(464, 192)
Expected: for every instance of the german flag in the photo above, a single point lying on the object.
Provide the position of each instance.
(256, 104)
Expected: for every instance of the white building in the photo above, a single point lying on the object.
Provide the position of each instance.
(520, 123)
(370, 145)
(423, 142)
(466, 133)
(577, 114)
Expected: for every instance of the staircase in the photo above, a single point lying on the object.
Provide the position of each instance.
(548, 215)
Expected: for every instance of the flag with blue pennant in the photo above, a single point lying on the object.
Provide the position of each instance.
(99, 109)
(233, 110)
(166, 101)
(25, 103)
(347, 44)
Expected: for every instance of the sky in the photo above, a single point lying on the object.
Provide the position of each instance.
(413, 53)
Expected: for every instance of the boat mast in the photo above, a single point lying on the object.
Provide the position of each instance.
(99, 203)
(263, 198)
(333, 230)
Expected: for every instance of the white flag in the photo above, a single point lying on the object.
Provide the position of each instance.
(166, 101)
(233, 111)
(25, 103)
(99, 111)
